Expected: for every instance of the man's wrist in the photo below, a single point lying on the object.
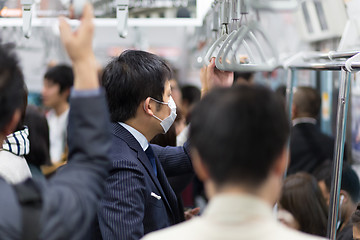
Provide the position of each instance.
(86, 76)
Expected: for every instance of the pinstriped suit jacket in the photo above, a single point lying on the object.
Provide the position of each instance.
(137, 202)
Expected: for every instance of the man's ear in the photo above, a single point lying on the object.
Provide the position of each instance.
(281, 162)
(66, 93)
(10, 127)
(346, 196)
(148, 108)
(199, 167)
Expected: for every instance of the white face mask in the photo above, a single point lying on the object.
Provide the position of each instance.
(167, 122)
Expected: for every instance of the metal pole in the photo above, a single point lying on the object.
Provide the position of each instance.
(327, 66)
(289, 101)
(331, 55)
(339, 152)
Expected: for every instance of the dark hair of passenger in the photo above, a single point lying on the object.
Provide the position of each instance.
(247, 76)
(11, 84)
(62, 75)
(281, 90)
(302, 197)
(307, 101)
(38, 136)
(191, 94)
(24, 97)
(130, 79)
(239, 132)
(349, 179)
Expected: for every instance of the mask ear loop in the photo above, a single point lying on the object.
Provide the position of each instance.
(157, 102)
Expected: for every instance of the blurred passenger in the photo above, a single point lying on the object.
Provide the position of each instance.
(13, 166)
(63, 207)
(349, 195)
(301, 196)
(176, 92)
(355, 219)
(309, 147)
(242, 181)
(55, 94)
(190, 96)
(243, 78)
(281, 91)
(39, 154)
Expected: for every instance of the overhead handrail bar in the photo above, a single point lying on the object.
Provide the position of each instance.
(274, 5)
(352, 62)
(332, 55)
(335, 60)
(328, 66)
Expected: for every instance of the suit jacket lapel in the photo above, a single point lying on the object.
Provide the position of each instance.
(163, 188)
(169, 192)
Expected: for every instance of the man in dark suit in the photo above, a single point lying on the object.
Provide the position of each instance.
(309, 147)
(138, 197)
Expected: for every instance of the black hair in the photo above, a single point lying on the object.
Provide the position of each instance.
(38, 136)
(307, 101)
(281, 91)
(302, 197)
(247, 76)
(191, 94)
(349, 180)
(24, 104)
(130, 79)
(239, 132)
(11, 84)
(62, 75)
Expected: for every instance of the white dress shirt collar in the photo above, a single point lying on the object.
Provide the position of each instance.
(304, 120)
(137, 135)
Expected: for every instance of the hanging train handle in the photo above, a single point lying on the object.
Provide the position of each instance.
(27, 6)
(122, 12)
(224, 9)
(78, 6)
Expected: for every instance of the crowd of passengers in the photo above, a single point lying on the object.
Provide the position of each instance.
(126, 153)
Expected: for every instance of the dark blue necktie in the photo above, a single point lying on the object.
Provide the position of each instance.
(150, 154)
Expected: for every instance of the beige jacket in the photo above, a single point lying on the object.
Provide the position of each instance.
(230, 217)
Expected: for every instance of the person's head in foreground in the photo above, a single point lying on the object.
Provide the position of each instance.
(239, 140)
